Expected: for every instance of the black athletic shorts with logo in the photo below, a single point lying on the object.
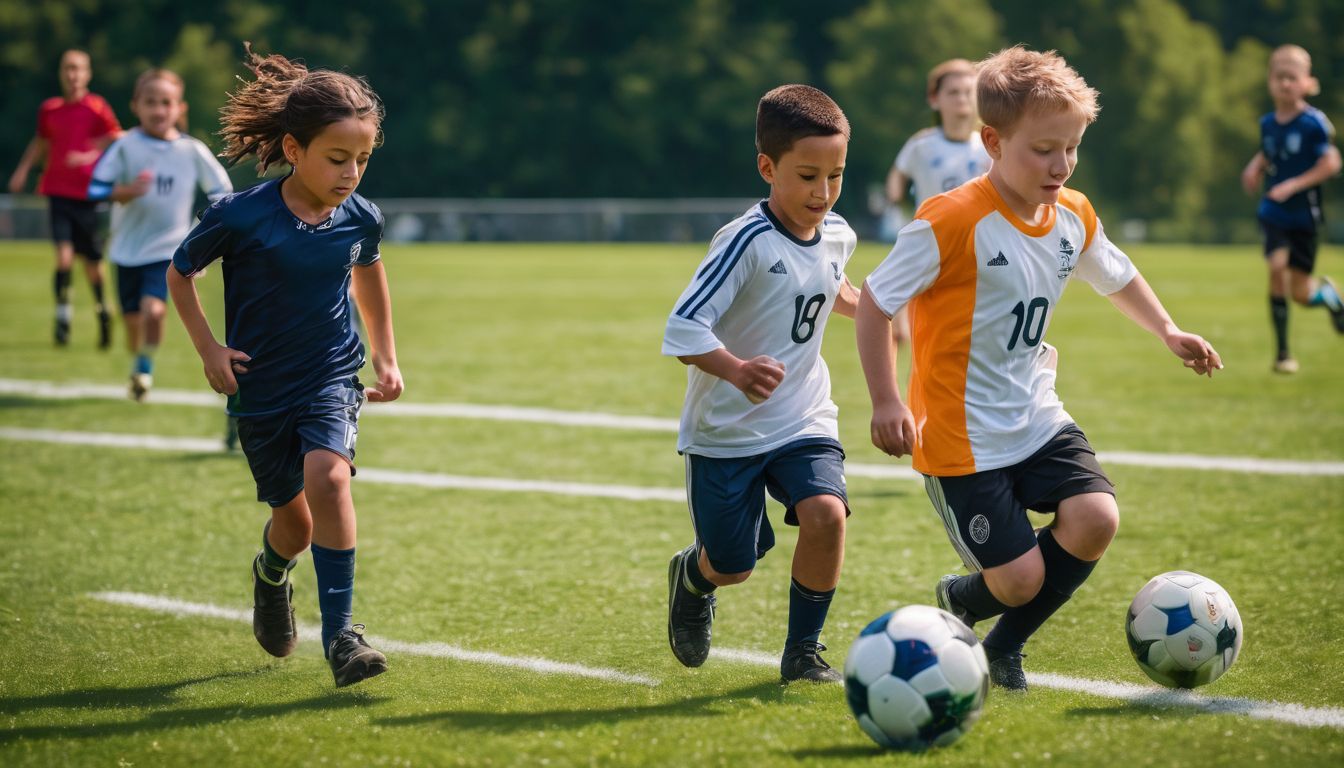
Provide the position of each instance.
(76, 221)
(1301, 245)
(985, 513)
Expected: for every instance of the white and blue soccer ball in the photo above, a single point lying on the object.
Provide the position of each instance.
(916, 678)
(1183, 629)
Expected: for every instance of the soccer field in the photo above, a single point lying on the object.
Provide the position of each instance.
(512, 561)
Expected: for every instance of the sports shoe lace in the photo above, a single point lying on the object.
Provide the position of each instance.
(698, 611)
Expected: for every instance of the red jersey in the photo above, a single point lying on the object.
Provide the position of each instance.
(71, 126)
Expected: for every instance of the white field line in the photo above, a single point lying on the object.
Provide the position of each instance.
(1244, 464)
(1146, 696)
(436, 650)
(367, 474)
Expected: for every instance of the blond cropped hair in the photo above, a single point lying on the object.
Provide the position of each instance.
(1016, 81)
(950, 67)
(1296, 54)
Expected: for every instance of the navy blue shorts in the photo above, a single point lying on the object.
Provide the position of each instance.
(276, 443)
(1301, 245)
(75, 222)
(985, 512)
(134, 283)
(727, 496)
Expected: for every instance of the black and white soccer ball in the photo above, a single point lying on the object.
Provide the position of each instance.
(916, 678)
(1183, 629)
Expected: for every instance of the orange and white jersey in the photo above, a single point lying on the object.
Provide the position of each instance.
(982, 286)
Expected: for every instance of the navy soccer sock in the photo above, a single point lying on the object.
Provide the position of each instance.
(973, 594)
(1064, 573)
(1278, 312)
(335, 589)
(695, 581)
(807, 613)
(98, 295)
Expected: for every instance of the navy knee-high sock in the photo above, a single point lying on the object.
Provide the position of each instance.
(1064, 573)
(1278, 313)
(807, 613)
(335, 589)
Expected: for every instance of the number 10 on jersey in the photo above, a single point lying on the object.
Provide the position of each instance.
(1030, 321)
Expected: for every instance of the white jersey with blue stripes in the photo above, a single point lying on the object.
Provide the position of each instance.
(760, 291)
(150, 227)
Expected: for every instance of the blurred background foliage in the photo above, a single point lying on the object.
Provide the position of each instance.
(556, 98)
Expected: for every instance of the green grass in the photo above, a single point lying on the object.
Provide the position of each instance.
(582, 580)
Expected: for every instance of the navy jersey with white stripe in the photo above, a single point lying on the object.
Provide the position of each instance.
(1291, 149)
(286, 291)
(760, 291)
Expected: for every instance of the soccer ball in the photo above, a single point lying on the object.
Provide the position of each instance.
(916, 678)
(1183, 629)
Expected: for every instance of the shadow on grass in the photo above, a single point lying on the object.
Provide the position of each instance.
(529, 720)
(868, 751)
(164, 719)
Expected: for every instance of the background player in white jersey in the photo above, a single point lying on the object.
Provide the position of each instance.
(943, 157)
(152, 173)
(758, 413)
(982, 268)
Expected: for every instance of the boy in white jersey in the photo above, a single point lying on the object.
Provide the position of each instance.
(981, 269)
(758, 413)
(152, 173)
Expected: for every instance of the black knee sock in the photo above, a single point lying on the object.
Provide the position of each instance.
(695, 580)
(61, 285)
(98, 295)
(807, 613)
(1278, 312)
(973, 594)
(1064, 573)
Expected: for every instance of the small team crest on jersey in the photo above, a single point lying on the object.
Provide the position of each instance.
(354, 251)
(835, 267)
(1292, 142)
(1065, 258)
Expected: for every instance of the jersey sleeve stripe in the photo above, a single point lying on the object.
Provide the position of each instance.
(724, 267)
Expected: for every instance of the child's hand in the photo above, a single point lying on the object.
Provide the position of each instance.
(1280, 192)
(1198, 354)
(389, 384)
(140, 186)
(893, 429)
(1250, 179)
(758, 377)
(221, 363)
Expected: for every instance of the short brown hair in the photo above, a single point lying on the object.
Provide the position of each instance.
(792, 112)
(946, 69)
(167, 75)
(1016, 81)
(287, 98)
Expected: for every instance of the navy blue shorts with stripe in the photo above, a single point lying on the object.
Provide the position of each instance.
(985, 513)
(134, 283)
(727, 496)
(275, 444)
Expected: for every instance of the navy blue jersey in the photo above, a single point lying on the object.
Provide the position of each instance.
(286, 291)
(1291, 149)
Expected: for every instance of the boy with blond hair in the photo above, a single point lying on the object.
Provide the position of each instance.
(981, 269)
(758, 415)
(1296, 156)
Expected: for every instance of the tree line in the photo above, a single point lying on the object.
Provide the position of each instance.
(656, 98)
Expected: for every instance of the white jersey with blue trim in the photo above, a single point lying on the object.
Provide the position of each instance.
(935, 164)
(150, 227)
(760, 291)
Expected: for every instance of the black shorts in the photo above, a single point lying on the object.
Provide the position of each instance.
(1301, 245)
(276, 444)
(985, 512)
(76, 221)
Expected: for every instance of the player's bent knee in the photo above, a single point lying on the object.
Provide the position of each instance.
(822, 515)
(1017, 582)
(727, 579)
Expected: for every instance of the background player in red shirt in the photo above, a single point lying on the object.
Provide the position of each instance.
(73, 129)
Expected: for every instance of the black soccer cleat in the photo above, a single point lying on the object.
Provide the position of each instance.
(803, 662)
(944, 594)
(352, 659)
(1005, 670)
(273, 613)
(104, 330)
(61, 334)
(1336, 307)
(690, 617)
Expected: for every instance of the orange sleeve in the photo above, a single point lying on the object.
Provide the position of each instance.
(1078, 203)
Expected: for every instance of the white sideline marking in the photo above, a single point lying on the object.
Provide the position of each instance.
(437, 650)
(367, 474)
(1246, 464)
(1148, 696)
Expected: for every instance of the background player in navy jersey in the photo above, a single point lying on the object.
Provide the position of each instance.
(290, 248)
(1297, 154)
(758, 413)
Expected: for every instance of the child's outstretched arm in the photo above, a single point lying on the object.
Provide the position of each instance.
(1325, 167)
(1138, 302)
(847, 300)
(893, 426)
(221, 363)
(375, 306)
(35, 151)
(1253, 173)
